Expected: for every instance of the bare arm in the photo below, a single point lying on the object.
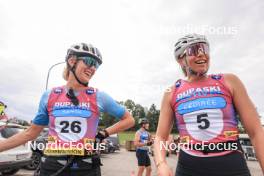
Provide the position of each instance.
(248, 114)
(163, 129)
(21, 138)
(126, 122)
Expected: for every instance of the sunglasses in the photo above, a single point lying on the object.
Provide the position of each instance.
(90, 61)
(195, 49)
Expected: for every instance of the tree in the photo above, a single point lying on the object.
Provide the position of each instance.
(106, 120)
(139, 111)
(153, 117)
(130, 105)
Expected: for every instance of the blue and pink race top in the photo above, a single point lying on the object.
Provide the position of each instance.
(72, 127)
(204, 113)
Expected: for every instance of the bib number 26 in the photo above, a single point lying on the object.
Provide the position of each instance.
(67, 127)
(70, 129)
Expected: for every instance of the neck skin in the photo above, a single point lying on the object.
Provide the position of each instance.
(194, 78)
(73, 83)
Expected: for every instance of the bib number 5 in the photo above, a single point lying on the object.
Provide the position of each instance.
(204, 125)
(202, 120)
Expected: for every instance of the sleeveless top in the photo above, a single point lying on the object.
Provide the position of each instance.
(72, 129)
(204, 113)
(144, 138)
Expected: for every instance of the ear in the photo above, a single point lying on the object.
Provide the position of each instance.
(72, 60)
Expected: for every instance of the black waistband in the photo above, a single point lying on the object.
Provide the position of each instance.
(230, 164)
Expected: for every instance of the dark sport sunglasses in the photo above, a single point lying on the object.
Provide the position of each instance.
(90, 61)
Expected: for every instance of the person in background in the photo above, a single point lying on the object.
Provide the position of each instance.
(142, 142)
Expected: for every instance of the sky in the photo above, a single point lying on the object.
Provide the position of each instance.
(136, 39)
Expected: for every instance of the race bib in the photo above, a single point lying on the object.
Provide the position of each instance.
(204, 125)
(70, 129)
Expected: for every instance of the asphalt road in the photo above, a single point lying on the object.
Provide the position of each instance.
(124, 163)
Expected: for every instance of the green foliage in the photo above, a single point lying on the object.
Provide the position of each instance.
(106, 120)
(138, 112)
(130, 105)
(126, 136)
(153, 117)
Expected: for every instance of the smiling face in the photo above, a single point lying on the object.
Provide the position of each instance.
(199, 63)
(83, 71)
(195, 58)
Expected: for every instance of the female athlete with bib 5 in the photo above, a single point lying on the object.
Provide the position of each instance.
(205, 108)
(72, 113)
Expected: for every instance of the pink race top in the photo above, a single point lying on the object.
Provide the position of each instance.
(72, 129)
(204, 113)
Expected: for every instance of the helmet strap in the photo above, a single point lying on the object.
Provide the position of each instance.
(72, 69)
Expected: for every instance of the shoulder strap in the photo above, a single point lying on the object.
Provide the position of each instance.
(176, 86)
(54, 94)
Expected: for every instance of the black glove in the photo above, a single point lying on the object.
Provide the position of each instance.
(149, 143)
(101, 135)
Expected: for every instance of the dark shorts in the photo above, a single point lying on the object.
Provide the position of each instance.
(143, 158)
(232, 164)
(78, 167)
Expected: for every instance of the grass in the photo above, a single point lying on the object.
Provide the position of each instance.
(126, 136)
(130, 135)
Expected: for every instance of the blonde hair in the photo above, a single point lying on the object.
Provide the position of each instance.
(66, 72)
(183, 68)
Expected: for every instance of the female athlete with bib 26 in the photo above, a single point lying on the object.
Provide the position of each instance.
(72, 113)
(204, 107)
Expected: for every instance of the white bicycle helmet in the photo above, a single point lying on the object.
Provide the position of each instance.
(186, 41)
(83, 49)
